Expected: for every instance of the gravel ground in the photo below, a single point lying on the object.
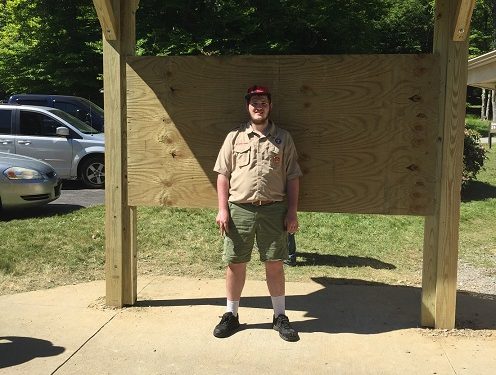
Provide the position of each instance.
(478, 280)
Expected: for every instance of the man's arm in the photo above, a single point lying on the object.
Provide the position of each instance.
(292, 191)
(222, 219)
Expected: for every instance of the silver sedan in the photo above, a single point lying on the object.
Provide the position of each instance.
(25, 182)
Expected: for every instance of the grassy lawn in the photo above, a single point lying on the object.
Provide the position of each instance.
(43, 252)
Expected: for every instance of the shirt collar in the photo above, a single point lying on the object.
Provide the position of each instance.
(270, 131)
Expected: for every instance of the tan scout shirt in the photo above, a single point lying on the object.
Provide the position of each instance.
(258, 166)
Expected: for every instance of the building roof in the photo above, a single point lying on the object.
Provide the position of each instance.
(482, 71)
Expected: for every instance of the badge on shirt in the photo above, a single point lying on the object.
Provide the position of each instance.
(278, 141)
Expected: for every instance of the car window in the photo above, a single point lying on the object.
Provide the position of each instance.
(34, 123)
(5, 121)
(71, 109)
(77, 123)
(94, 108)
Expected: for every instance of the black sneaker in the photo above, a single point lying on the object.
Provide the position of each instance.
(281, 324)
(227, 326)
(291, 262)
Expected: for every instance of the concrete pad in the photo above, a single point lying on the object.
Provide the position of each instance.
(344, 329)
(40, 330)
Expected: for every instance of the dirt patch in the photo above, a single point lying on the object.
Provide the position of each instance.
(482, 333)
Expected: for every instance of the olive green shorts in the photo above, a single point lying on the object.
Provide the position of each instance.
(248, 223)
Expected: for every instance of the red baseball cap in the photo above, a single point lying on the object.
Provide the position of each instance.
(257, 90)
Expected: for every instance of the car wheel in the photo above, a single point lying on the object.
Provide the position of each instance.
(93, 172)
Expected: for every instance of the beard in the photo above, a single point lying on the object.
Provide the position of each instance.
(260, 120)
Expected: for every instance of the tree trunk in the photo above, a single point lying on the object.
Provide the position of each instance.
(486, 115)
(483, 104)
(493, 106)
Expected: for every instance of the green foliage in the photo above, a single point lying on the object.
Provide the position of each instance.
(473, 122)
(407, 27)
(49, 46)
(474, 155)
(283, 27)
(483, 28)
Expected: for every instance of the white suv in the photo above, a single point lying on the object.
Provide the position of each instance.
(73, 148)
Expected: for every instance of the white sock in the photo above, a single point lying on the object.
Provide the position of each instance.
(279, 305)
(232, 306)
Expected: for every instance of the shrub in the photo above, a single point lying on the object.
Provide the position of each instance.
(475, 123)
(474, 155)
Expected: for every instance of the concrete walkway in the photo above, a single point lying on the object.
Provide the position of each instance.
(344, 329)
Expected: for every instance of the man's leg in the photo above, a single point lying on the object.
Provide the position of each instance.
(274, 272)
(235, 281)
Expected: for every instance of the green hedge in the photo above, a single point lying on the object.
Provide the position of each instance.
(474, 155)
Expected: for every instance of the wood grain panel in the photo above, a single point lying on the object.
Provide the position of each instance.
(364, 127)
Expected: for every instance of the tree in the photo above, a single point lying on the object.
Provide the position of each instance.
(213, 27)
(51, 47)
(483, 28)
(407, 26)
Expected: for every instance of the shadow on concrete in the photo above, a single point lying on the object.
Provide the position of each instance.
(48, 210)
(357, 306)
(15, 350)
(314, 259)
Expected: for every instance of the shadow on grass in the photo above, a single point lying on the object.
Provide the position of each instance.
(314, 259)
(39, 212)
(354, 306)
(478, 191)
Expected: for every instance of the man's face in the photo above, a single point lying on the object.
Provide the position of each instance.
(259, 108)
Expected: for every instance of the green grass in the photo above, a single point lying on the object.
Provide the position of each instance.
(63, 249)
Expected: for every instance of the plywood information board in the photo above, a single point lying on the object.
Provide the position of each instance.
(365, 127)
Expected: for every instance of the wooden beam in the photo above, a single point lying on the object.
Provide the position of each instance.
(107, 18)
(441, 230)
(120, 219)
(463, 16)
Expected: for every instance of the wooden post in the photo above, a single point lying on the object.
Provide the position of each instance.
(441, 230)
(120, 219)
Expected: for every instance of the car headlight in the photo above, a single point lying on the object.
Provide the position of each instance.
(19, 173)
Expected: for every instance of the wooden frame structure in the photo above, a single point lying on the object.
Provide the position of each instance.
(400, 153)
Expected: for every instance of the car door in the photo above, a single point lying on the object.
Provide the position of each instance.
(36, 137)
(6, 137)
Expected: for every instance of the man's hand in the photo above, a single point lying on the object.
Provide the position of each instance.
(222, 221)
(291, 222)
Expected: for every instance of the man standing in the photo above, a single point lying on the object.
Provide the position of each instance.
(257, 189)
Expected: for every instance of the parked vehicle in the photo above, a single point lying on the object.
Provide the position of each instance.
(73, 148)
(26, 182)
(80, 108)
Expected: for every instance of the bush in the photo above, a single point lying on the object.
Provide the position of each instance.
(475, 123)
(474, 155)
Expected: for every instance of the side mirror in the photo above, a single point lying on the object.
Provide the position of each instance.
(62, 131)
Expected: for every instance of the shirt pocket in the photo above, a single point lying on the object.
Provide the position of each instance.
(275, 157)
(242, 155)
